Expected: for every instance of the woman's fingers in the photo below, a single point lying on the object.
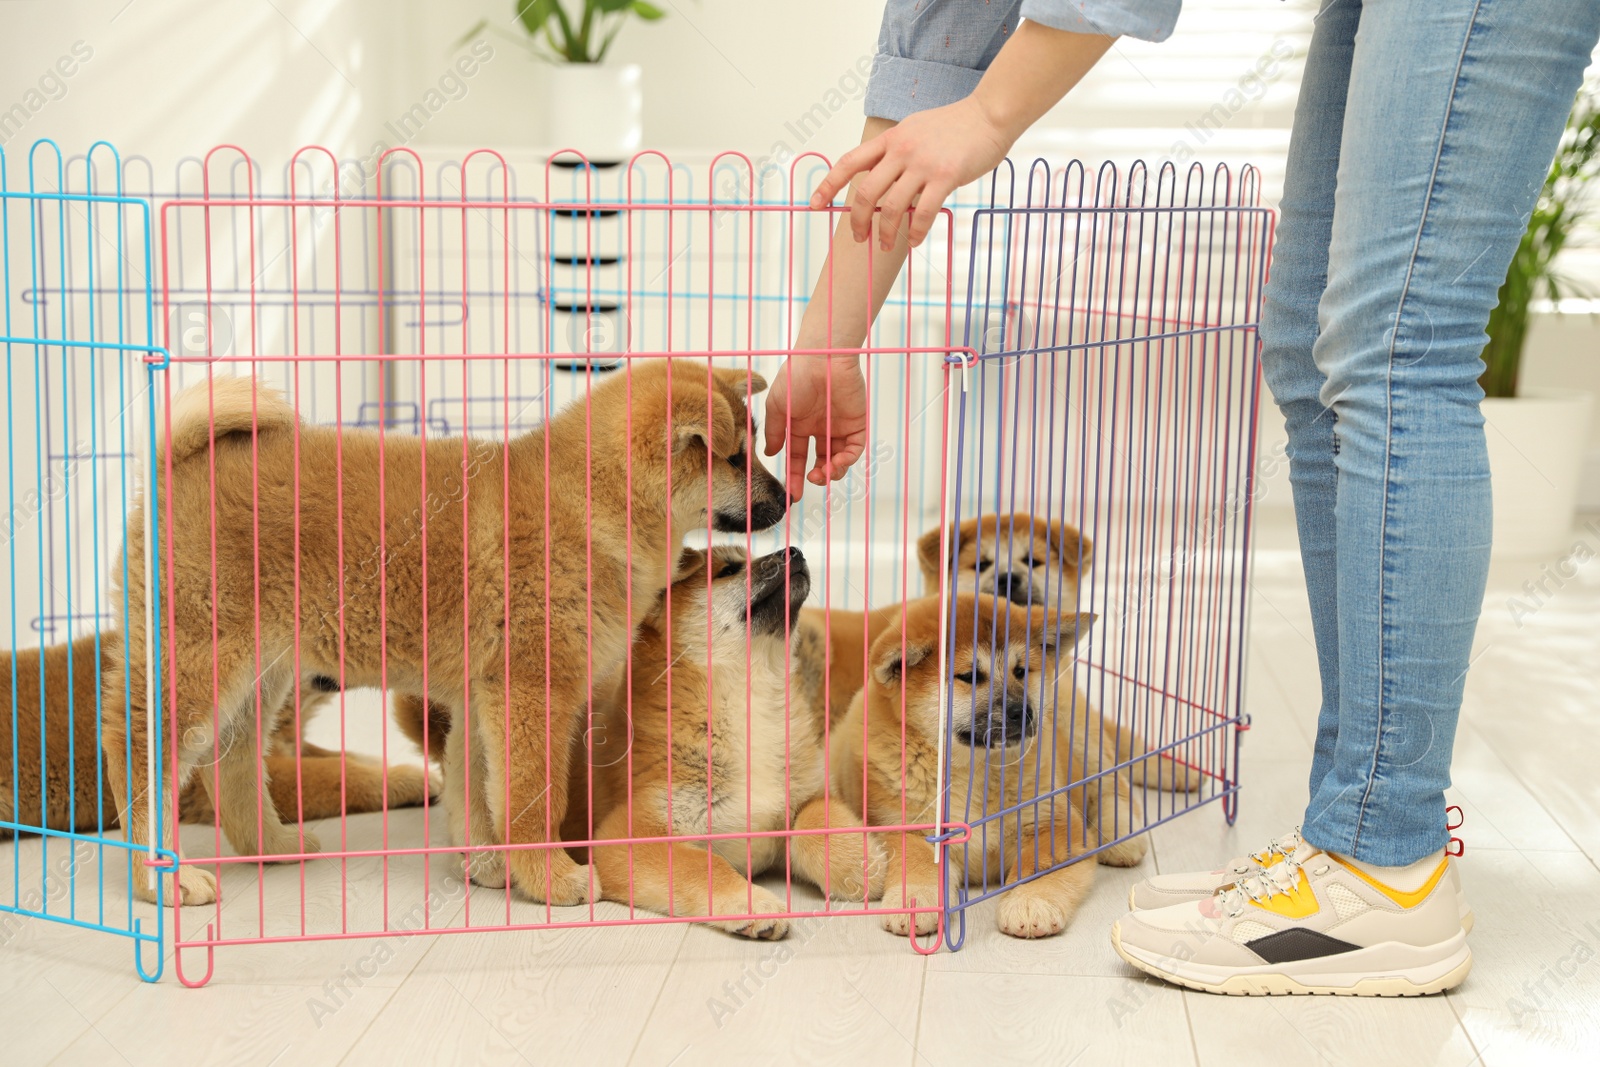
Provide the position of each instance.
(892, 208)
(869, 190)
(845, 452)
(929, 202)
(777, 415)
(863, 156)
(795, 477)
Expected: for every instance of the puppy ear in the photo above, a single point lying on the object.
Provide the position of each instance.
(1061, 631)
(928, 555)
(693, 424)
(1075, 550)
(689, 561)
(736, 378)
(890, 659)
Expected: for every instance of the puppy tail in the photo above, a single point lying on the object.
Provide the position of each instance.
(213, 409)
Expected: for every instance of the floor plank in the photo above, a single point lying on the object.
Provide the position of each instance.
(835, 991)
(1049, 1019)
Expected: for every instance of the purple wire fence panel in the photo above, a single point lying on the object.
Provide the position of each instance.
(1104, 449)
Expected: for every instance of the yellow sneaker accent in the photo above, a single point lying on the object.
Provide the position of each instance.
(1296, 903)
(1399, 896)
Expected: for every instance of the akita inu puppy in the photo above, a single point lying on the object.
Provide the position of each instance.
(506, 606)
(1037, 563)
(734, 745)
(1018, 557)
(1010, 669)
(321, 784)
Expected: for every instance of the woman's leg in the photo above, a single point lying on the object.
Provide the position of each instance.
(1289, 332)
(1453, 112)
(1422, 138)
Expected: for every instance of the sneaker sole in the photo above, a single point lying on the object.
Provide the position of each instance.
(1467, 916)
(1307, 978)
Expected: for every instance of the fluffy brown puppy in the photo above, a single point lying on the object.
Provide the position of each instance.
(734, 746)
(1035, 562)
(847, 635)
(74, 794)
(505, 603)
(1000, 707)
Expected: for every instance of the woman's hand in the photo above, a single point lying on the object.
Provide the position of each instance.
(915, 164)
(804, 406)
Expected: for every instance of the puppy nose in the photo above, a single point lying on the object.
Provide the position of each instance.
(1019, 719)
(1002, 585)
(793, 554)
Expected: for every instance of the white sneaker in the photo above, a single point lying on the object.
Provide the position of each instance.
(1162, 890)
(1306, 924)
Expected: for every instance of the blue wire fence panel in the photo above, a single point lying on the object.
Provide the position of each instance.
(79, 342)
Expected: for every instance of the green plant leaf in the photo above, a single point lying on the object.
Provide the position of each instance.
(647, 11)
(1533, 272)
(609, 6)
(533, 14)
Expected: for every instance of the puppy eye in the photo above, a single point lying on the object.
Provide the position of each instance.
(728, 570)
(737, 460)
(1020, 670)
(972, 677)
(984, 564)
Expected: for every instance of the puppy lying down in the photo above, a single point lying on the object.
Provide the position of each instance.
(306, 781)
(1010, 679)
(726, 739)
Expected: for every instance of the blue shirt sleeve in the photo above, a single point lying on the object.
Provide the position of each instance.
(1148, 20)
(932, 52)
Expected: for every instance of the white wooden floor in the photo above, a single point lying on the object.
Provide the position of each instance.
(842, 991)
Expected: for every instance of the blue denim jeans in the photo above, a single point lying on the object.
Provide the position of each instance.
(1422, 137)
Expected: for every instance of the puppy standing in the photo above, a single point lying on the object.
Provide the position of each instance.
(458, 613)
(999, 757)
(735, 745)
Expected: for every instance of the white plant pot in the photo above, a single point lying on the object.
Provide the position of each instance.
(1536, 448)
(595, 109)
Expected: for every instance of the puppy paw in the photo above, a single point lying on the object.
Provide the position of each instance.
(549, 876)
(1024, 914)
(435, 785)
(196, 886)
(926, 896)
(411, 787)
(287, 840)
(1127, 853)
(855, 873)
(757, 927)
(487, 869)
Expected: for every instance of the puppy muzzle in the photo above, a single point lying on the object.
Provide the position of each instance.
(1006, 723)
(780, 583)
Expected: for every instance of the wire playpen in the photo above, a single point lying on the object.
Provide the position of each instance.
(1061, 408)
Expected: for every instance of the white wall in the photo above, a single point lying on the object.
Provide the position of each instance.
(169, 78)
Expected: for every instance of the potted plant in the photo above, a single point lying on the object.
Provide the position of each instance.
(1537, 436)
(592, 107)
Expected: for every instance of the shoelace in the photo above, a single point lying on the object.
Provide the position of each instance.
(1285, 846)
(1262, 884)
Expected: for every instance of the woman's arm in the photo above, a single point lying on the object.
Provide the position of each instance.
(930, 155)
(908, 166)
